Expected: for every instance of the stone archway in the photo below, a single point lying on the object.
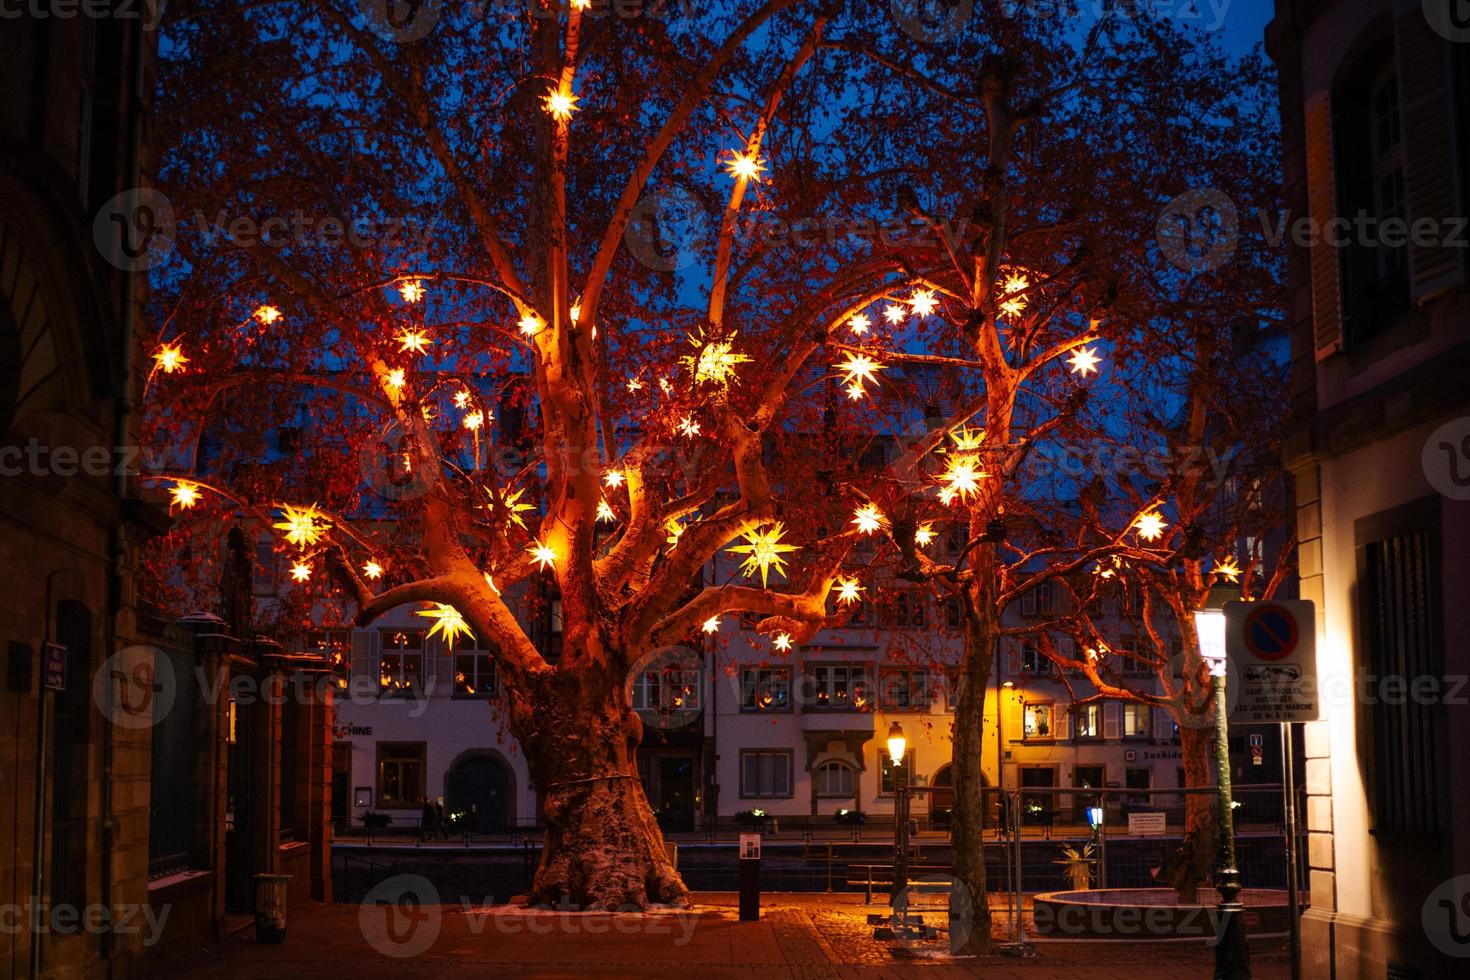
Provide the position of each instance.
(482, 784)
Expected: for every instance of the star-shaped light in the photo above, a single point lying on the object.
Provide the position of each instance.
(169, 358)
(1150, 526)
(461, 398)
(782, 642)
(711, 625)
(675, 531)
(428, 412)
(474, 420)
(894, 313)
(849, 591)
(745, 166)
(413, 341)
(581, 4)
(634, 384)
(688, 426)
(855, 392)
(531, 323)
(859, 369)
(411, 290)
(923, 302)
(924, 536)
(1084, 361)
(613, 478)
(542, 554)
(397, 378)
(448, 623)
(561, 102)
(963, 476)
(714, 359)
(868, 519)
(1228, 570)
(860, 324)
(1015, 304)
(763, 549)
(967, 440)
(490, 581)
(372, 570)
(605, 511)
(304, 526)
(266, 314)
(300, 571)
(576, 311)
(184, 495)
(510, 501)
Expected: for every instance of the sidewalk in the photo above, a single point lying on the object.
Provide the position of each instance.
(799, 935)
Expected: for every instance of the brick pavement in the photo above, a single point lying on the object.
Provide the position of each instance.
(807, 936)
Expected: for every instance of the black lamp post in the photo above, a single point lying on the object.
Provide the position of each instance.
(1232, 954)
(897, 746)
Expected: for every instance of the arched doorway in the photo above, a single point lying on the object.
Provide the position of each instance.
(941, 796)
(479, 784)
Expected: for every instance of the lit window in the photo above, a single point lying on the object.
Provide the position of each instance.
(401, 665)
(1037, 723)
(840, 687)
(1137, 720)
(1087, 721)
(765, 689)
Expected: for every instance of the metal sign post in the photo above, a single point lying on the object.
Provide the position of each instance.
(1293, 887)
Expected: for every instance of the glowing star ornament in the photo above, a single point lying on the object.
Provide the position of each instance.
(868, 519)
(605, 511)
(711, 625)
(461, 399)
(923, 302)
(510, 501)
(1150, 526)
(490, 581)
(1084, 361)
(849, 591)
(304, 526)
(411, 341)
(396, 379)
(613, 479)
(543, 555)
(412, 291)
(894, 314)
(266, 315)
(1228, 570)
(675, 531)
(561, 102)
(300, 571)
(183, 495)
(372, 570)
(714, 360)
(448, 623)
(963, 477)
(855, 392)
(169, 358)
(635, 385)
(1015, 305)
(860, 324)
(924, 536)
(474, 420)
(858, 370)
(688, 426)
(782, 642)
(763, 549)
(745, 166)
(531, 324)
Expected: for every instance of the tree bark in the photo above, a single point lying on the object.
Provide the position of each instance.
(968, 821)
(603, 848)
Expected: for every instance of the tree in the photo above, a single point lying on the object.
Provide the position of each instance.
(563, 374)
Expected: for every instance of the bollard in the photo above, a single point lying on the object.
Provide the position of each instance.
(750, 877)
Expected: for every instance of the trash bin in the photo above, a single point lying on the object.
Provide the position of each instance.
(270, 908)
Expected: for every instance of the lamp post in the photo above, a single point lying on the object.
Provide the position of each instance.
(1232, 955)
(897, 746)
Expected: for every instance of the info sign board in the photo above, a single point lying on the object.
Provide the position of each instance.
(1273, 661)
(1146, 824)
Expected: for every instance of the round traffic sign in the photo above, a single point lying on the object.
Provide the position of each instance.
(1270, 632)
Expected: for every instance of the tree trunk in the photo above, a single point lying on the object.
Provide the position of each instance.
(1197, 744)
(970, 931)
(603, 847)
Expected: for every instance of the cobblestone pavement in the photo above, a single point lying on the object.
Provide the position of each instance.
(799, 935)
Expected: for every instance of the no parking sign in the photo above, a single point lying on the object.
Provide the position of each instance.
(1273, 661)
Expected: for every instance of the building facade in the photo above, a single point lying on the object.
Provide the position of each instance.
(1375, 108)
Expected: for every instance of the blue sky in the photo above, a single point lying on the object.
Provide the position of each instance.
(1242, 22)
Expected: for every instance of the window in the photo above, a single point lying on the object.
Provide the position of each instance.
(1087, 721)
(264, 579)
(1398, 562)
(765, 689)
(953, 615)
(1037, 722)
(906, 689)
(885, 769)
(1140, 779)
(336, 647)
(1039, 601)
(1086, 777)
(1031, 659)
(908, 610)
(839, 687)
(670, 688)
(953, 687)
(834, 780)
(401, 666)
(1137, 720)
(765, 774)
(474, 673)
(172, 801)
(400, 774)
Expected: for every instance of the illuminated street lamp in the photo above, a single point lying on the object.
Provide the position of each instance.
(1232, 955)
(897, 746)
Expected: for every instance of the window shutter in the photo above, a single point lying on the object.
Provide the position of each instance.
(1429, 139)
(1111, 712)
(1163, 723)
(365, 657)
(1322, 208)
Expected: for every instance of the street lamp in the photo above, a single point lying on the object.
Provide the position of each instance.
(897, 746)
(1232, 955)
